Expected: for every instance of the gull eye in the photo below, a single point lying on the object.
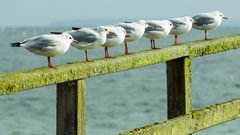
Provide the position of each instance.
(170, 24)
(105, 29)
(70, 38)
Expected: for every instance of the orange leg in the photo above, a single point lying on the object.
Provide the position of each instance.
(106, 52)
(177, 41)
(49, 62)
(126, 48)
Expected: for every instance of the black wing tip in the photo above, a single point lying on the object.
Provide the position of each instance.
(54, 32)
(127, 22)
(16, 44)
(76, 28)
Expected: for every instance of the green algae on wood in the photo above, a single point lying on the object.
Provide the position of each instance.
(201, 48)
(38, 77)
(195, 121)
(71, 108)
(22, 80)
(179, 87)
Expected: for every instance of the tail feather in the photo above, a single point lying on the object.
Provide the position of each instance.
(76, 28)
(17, 44)
(58, 33)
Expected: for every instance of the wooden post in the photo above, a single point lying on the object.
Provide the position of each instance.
(179, 87)
(71, 109)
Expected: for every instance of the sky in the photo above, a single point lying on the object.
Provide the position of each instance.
(45, 12)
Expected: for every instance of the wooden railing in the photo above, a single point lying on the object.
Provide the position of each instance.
(71, 88)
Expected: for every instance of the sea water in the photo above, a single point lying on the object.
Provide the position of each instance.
(120, 101)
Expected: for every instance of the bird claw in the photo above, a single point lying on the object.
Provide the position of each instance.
(154, 48)
(109, 57)
(129, 53)
(208, 39)
(88, 60)
(51, 66)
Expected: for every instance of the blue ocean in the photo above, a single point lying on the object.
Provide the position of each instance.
(120, 101)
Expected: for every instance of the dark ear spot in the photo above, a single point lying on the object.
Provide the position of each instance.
(58, 33)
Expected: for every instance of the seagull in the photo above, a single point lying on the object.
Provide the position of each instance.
(89, 38)
(49, 45)
(135, 30)
(208, 21)
(181, 25)
(115, 38)
(159, 29)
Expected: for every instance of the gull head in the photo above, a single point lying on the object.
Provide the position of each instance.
(69, 38)
(122, 31)
(170, 25)
(220, 14)
(143, 23)
(189, 19)
(103, 29)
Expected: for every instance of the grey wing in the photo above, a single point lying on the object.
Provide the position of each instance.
(82, 36)
(176, 23)
(202, 20)
(40, 43)
(154, 27)
(128, 29)
(111, 36)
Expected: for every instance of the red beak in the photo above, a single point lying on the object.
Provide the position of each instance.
(127, 35)
(148, 26)
(111, 32)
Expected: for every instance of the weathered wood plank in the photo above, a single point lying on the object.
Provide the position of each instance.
(193, 122)
(17, 81)
(23, 80)
(201, 48)
(81, 107)
(179, 87)
(71, 108)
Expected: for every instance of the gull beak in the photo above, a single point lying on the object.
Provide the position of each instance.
(127, 35)
(75, 41)
(111, 32)
(149, 26)
(174, 27)
(225, 18)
